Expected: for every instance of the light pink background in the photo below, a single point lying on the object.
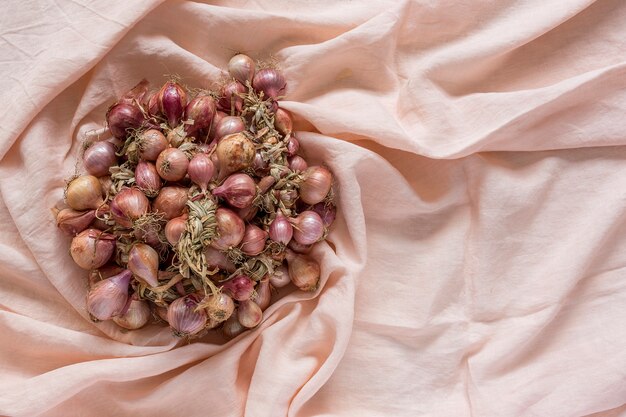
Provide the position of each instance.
(480, 248)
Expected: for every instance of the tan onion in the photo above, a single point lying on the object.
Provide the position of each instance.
(219, 307)
(249, 314)
(172, 164)
(303, 270)
(171, 201)
(316, 184)
(150, 144)
(235, 152)
(241, 67)
(84, 193)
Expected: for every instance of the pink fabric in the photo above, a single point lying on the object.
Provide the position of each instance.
(479, 253)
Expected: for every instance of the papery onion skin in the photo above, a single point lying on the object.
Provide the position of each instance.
(293, 146)
(84, 193)
(308, 228)
(72, 222)
(240, 288)
(283, 122)
(303, 270)
(143, 261)
(150, 144)
(122, 118)
(219, 307)
(280, 278)
(249, 314)
(147, 178)
(172, 164)
(229, 125)
(270, 81)
(263, 294)
(174, 229)
(230, 99)
(171, 202)
(238, 189)
(230, 229)
(129, 205)
(316, 184)
(280, 229)
(92, 248)
(241, 67)
(253, 241)
(107, 298)
(136, 316)
(172, 99)
(234, 152)
(99, 157)
(183, 317)
(201, 111)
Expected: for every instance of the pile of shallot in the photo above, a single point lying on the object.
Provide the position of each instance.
(196, 205)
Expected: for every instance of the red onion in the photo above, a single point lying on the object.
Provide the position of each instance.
(229, 125)
(123, 117)
(241, 67)
(201, 170)
(217, 259)
(219, 115)
(91, 248)
(201, 111)
(172, 100)
(150, 144)
(238, 189)
(83, 193)
(108, 298)
(147, 178)
(253, 241)
(263, 294)
(230, 229)
(234, 152)
(153, 103)
(326, 211)
(219, 307)
(283, 122)
(174, 229)
(270, 81)
(249, 314)
(293, 146)
(239, 288)
(171, 201)
(230, 100)
(281, 230)
(280, 277)
(72, 222)
(297, 164)
(136, 94)
(259, 164)
(172, 164)
(303, 270)
(308, 227)
(143, 261)
(129, 205)
(183, 317)
(316, 184)
(99, 157)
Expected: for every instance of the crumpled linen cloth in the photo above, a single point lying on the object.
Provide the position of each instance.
(477, 265)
